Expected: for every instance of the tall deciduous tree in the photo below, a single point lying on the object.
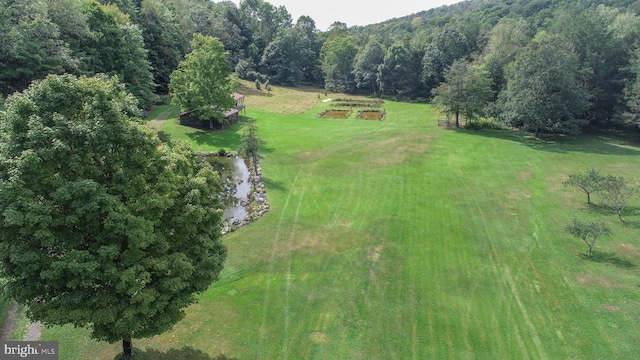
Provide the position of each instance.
(601, 55)
(202, 83)
(337, 58)
(466, 91)
(116, 47)
(397, 73)
(31, 47)
(367, 63)
(163, 40)
(544, 92)
(102, 225)
(288, 57)
(448, 46)
(506, 40)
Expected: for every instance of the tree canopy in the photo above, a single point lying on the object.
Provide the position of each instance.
(466, 91)
(201, 83)
(544, 92)
(101, 224)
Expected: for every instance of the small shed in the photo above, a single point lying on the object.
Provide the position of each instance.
(231, 116)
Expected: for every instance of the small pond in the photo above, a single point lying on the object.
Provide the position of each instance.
(234, 176)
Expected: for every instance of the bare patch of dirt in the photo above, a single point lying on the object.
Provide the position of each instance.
(609, 307)
(374, 253)
(319, 337)
(524, 175)
(628, 250)
(589, 280)
(400, 149)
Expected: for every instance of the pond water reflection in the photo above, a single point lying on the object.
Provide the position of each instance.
(234, 176)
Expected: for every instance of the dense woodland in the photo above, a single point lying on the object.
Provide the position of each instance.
(542, 65)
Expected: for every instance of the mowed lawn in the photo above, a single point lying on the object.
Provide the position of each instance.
(397, 239)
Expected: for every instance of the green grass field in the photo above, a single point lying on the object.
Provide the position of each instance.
(397, 239)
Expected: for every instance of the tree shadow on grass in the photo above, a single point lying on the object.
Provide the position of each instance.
(600, 209)
(186, 353)
(609, 258)
(271, 185)
(596, 143)
(216, 138)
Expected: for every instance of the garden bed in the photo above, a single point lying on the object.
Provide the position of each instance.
(371, 114)
(335, 114)
(357, 103)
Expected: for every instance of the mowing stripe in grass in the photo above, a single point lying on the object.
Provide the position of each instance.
(285, 337)
(271, 264)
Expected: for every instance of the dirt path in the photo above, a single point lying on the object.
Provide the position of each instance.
(9, 321)
(34, 330)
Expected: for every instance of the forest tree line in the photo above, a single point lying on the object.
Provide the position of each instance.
(574, 61)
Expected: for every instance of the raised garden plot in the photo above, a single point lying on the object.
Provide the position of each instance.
(335, 114)
(357, 103)
(371, 114)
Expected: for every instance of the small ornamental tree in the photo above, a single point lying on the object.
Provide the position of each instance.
(589, 182)
(250, 143)
(617, 192)
(588, 231)
(101, 224)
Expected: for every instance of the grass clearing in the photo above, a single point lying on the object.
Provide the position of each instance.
(401, 240)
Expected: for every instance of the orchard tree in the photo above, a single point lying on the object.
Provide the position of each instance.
(101, 224)
(202, 83)
(617, 192)
(588, 231)
(544, 92)
(590, 182)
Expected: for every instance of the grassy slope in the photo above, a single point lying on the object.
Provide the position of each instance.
(399, 240)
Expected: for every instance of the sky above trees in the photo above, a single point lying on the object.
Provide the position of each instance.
(355, 12)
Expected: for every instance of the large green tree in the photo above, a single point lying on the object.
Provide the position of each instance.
(337, 57)
(162, 39)
(202, 83)
(30, 43)
(601, 55)
(544, 92)
(466, 91)
(115, 46)
(397, 73)
(367, 63)
(101, 224)
(288, 57)
(448, 46)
